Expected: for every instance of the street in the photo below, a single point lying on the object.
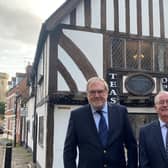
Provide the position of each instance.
(21, 157)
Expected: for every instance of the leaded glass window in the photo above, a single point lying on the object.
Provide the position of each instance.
(161, 54)
(131, 54)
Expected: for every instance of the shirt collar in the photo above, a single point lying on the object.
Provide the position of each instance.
(104, 109)
(162, 124)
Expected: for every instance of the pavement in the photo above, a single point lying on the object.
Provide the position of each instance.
(21, 157)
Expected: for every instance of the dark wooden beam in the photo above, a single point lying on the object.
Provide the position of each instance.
(162, 30)
(116, 16)
(73, 17)
(139, 17)
(127, 16)
(87, 9)
(151, 18)
(103, 14)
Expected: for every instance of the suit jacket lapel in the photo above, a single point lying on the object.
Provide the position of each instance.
(159, 139)
(91, 124)
(114, 128)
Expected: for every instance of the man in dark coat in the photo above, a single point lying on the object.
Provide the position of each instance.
(152, 139)
(83, 139)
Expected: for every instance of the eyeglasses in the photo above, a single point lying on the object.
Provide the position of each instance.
(93, 92)
(162, 102)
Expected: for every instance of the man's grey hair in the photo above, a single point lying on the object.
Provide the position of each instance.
(156, 100)
(94, 79)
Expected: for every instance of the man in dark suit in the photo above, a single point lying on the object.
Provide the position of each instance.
(152, 139)
(101, 132)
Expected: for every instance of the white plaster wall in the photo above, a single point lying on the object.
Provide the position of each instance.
(145, 18)
(61, 118)
(91, 44)
(165, 7)
(62, 85)
(122, 17)
(80, 14)
(40, 92)
(73, 69)
(95, 13)
(110, 14)
(96, 16)
(133, 17)
(30, 117)
(40, 88)
(41, 150)
(43, 69)
(144, 110)
(156, 18)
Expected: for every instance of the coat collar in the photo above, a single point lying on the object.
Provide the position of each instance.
(114, 124)
(158, 137)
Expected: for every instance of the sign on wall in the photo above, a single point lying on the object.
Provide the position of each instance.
(164, 83)
(112, 79)
(139, 84)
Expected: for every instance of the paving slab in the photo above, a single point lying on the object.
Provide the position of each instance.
(22, 158)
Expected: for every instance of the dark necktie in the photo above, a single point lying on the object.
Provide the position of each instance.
(103, 130)
(167, 139)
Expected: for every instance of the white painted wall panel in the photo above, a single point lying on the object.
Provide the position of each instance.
(62, 85)
(133, 17)
(80, 19)
(122, 17)
(165, 7)
(145, 18)
(61, 118)
(110, 14)
(91, 44)
(40, 92)
(156, 18)
(72, 68)
(41, 151)
(40, 72)
(30, 117)
(96, 13)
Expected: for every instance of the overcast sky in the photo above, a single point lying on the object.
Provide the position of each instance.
(20, 24)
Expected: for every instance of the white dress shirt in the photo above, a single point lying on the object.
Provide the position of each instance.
(96, 116)
(163, 131)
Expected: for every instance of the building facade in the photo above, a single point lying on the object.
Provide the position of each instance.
(123, 41)
(15, 113)
(3, 86)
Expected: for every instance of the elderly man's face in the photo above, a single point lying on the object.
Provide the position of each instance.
(97, 94)
(161, 107)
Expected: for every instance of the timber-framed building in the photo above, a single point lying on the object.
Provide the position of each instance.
(123, 41)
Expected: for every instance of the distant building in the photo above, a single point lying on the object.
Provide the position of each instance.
(17, 96)
(3, 86)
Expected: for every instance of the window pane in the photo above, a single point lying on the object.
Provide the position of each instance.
(117, 53)
(162, 58)
(131, 54)
(147, 60)
(41, 130)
